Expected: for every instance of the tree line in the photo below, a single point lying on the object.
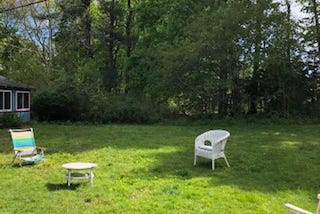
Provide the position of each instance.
(110, 59)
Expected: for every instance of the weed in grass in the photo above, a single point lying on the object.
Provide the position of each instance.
(183, 173)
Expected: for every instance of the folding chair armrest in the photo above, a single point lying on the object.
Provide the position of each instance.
(17, 150)
(41, 148)
(296, 209)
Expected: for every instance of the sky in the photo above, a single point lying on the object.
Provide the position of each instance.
(296, 10)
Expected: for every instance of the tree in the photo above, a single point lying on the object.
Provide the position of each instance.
(312, 47)
(21, 59)
(205, 57)
(112, 36)
(74, 38)
(35, 23)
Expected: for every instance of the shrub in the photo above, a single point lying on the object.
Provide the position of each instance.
(57, 104)
(9, 120)
(66, 103)
(122, 109)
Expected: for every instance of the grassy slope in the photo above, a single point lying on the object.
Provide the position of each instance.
(149, 169)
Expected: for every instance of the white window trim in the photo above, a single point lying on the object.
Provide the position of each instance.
(22, 109)
(6, 110)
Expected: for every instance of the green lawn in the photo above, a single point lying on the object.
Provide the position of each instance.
(149, 169)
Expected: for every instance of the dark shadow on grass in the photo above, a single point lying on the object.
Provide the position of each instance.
(23, 164)
(61, 186)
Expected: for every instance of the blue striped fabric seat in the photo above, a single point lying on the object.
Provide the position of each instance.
(24, 146)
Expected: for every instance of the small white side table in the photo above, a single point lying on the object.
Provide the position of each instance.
(79, 166)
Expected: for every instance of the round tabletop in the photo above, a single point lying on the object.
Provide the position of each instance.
(79, 165)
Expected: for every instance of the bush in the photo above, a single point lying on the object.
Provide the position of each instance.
(57, 104)
(121, 109)
(66, 103)
(9, 120)
(128, 109)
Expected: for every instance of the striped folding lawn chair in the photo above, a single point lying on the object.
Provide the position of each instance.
(24, 146)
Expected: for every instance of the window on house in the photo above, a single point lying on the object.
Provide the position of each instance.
(23, 101)
(5, 100)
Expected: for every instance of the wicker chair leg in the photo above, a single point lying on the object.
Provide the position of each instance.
(212, 164)
(225, 158)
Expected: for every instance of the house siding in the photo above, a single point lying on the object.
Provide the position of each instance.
(23, 115)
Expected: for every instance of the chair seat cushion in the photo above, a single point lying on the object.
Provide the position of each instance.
(35, 158)
(207, 148)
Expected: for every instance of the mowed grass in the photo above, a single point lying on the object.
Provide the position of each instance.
(149, 169)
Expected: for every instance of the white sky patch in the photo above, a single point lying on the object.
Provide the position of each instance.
(296, 11)
(296, 7)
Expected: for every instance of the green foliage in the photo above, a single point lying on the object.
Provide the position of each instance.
(28, 69)
(124, 109)
(225, 60)
(65, 102)
(117, 60)
(9, 120)
(57, 103)
(20, 60)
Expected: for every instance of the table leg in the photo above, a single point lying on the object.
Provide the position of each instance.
(69, 177)
(91, 176)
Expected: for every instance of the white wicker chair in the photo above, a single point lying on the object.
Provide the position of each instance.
(211, 145)
(297, 210)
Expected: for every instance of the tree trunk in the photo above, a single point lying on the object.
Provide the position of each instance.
(316, 19)
(288, 29)
(254, 85)
(87, 28)
(113, 75)
(129, 41)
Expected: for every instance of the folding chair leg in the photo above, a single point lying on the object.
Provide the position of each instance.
(14, 158)
(195, 160)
